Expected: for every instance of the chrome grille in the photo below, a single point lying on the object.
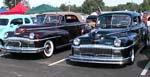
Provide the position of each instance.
(13, 44)
(96, 52)
(18, 44)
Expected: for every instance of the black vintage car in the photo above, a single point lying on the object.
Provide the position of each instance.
(115, 40)
(55, 30)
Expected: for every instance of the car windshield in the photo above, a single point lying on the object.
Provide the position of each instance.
(3, 21)
(114, 21)
(47, 19)
(51, 19)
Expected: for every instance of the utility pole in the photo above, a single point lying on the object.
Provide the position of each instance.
(15, 2)
(69, 5)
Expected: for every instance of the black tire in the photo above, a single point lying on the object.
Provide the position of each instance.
(146, 42)
(132, 57)
(49, 49)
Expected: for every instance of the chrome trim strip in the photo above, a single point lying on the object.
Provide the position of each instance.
(27, 39)
(63, 45)
(56, 26)
(51, 27)
(101, 46)
(118, 60)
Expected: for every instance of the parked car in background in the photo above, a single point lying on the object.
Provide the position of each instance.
(55, 30)
(11, 22)
(115, 40)
(90, 23)
(84, 17)
(91, 20)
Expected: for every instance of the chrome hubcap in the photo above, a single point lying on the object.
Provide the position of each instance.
(49, 48)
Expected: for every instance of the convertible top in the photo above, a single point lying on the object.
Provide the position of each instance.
(65, 13)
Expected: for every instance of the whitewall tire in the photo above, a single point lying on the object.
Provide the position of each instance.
(49, 49)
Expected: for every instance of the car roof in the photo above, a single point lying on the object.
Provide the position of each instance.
(131, 13)
(14, 16)
(65, 13)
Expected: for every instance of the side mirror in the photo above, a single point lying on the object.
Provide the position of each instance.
(11, 25)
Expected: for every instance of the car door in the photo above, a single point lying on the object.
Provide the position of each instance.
(61, 31)
(139, 29)
(73, 26)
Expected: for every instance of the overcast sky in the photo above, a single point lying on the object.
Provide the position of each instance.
(57, 3)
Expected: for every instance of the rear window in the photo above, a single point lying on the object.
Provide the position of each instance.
(71, 18)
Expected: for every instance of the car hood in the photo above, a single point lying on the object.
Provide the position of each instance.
(107, 33)
(104, 36)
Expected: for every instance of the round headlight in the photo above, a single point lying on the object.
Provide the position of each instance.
(117, 42)
(76, 41)
(6, 35)
(31, 35)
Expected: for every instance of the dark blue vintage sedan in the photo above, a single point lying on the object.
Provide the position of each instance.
(115, 40)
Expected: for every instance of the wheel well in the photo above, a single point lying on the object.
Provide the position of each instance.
(2, 42)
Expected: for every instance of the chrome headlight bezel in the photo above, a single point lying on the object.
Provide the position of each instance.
(76, 41)
(6, 35)
(117, 42)
(31, 35)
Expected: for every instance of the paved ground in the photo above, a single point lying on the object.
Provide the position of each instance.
(31, 65)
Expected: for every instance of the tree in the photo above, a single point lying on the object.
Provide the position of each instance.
(90, 5)
(63, 7)
(11, 3)
(146, 5)
(128, 6)
(73, 8)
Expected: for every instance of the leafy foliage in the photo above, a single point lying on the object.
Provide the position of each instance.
(146, 5)
(73, 8)
(90, 5)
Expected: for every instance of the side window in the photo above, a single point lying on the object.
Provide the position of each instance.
(135, 20)
(27, 21)
(17, 21)
(71, 18)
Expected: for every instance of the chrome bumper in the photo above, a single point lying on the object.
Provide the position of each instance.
(101, 60)
(101, 46)
(22, 49)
